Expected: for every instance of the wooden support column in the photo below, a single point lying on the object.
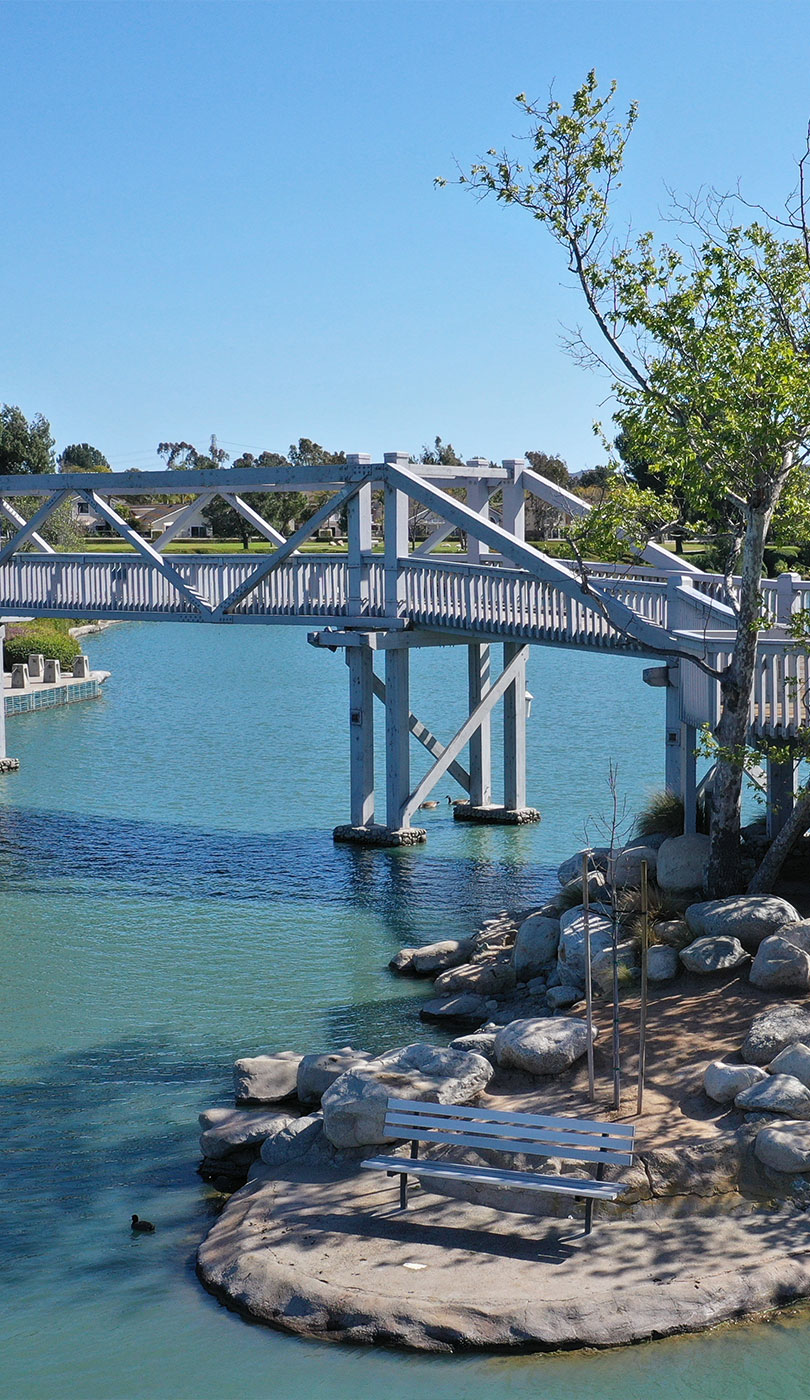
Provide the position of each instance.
(514, 498)
(781, 785)
(673, 752)
(514, 731)
(397, 737)
(358, 516)
(689, 778)
(396, 539)
(477, 498)
(361, 734)
(479, 672)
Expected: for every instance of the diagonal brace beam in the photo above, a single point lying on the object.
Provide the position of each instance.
(427, 739)
(468, 728)
(20, 521)
(186, 517)
(440, 535)
(253, 518)
(30, 527)
(274, 561)
(147, 551)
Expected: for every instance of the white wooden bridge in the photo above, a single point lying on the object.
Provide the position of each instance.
(400, 595)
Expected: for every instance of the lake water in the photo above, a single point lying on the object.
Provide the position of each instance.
(170, 898)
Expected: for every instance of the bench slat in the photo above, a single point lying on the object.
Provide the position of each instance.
(506, 1133)
(454, 1110)
(570, 1154)
(532, 1181)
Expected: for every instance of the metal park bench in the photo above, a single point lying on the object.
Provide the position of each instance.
(572, 1139)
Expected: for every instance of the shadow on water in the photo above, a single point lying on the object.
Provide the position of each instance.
(113, 857)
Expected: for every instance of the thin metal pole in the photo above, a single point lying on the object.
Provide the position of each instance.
(645, 943)
(614, 938)
(586, 916)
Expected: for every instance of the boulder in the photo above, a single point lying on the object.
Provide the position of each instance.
(602, 967)
(354, 1106)
(571, 947)
(542, 1045)
(785, 1147)
(535, 946)
(627, 870)
(486, 979)
(774, 1029)
(559, 998)
(432, 958)
(317, 1072)
(778, 1093)
(682, 864)
(266, 1078)
(674, 932)
(230, 1130)
(465, 1009)
(797, 933)
(745, 916)
(780, 966)
(663, 963)
(724, 1082)
(571, 869)
(795, 1060)
(713, 955)
(571, 894)
(477, 1043)
(294, 1140)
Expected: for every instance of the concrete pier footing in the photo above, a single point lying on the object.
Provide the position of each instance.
(379, 835)
(492, 815)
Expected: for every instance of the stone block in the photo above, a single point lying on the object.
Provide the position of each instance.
(19, 676)
(36, 665)
(81, 668)
(52, 671)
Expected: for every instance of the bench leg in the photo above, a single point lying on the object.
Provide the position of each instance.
(403, 1190)
(588, 1215)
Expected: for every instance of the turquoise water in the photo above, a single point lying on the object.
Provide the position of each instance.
(170, 898)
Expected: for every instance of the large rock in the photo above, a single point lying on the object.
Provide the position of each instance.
(571, 894)
(780, 966)
(535, 946)
(682, 864)
(266, 1078)
(663, 963)
(627, 870)
(542, 1045)
(795, 1060)
(626, 963)
(478, 1042)
(713, 955)
(432, 958)
(317, 1072)
(779, 1093)
(749, 917)
(571, 948)
(229, 1130)
(785, 1147)
(464, 1009)
(724, 1082)
(571, 869)
(486, 979)
(773, 1030)
(674, 932)
(560, 998)
(797, 933)
(354, 1106)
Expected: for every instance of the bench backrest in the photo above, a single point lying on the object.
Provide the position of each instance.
(573, 1139)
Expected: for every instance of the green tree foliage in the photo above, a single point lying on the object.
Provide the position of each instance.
(82, 457)
(707, 340)
(24, 446)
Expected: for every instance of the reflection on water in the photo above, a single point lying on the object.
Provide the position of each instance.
(170, 899)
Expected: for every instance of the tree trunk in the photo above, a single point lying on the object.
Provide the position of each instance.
(780, 848)
(724, 872)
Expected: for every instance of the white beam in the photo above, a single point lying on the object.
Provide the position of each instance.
(144, 548)
(427, 739)
(188, 514)
(253, 518)
(20, 521)
(30, 527)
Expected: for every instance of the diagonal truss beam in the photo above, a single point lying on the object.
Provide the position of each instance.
(655, 638)
(148, 552)
(501, 685)
(186, 517)
(440, 535)
(274, 561)
(20, 521)
(427, 739)
(253, 518)
(30, 527)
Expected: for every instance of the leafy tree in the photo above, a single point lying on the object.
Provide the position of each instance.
(24, 446)
(82, 457)
(708, 345)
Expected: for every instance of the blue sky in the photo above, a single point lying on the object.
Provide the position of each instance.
(220, 217)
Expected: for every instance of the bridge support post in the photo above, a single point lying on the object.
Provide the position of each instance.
(781, 781)
(689, 778)
(397, 737)
(478, 667)
(7, 765)
(514, 732)
(361, 734)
